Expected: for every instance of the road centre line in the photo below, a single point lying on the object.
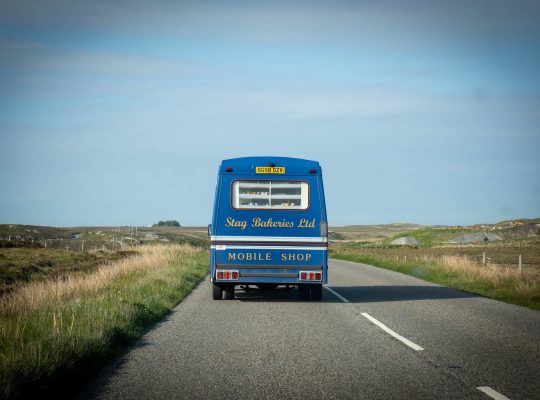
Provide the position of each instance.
(412, 345)
(492, 393)
(485, 389)
(343, 299)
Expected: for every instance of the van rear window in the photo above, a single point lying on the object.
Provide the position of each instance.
(267, 194)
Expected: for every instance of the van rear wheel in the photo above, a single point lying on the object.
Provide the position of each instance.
(229, 292)
(217, 292)
(316, 292)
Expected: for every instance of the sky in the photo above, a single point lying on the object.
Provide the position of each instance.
(119, 113)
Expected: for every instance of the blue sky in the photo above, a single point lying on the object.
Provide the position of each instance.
(118, 113)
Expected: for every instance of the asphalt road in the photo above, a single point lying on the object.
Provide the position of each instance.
(270, 345)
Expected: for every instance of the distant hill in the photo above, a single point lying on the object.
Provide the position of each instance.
(370, 233)
(519, 221)
(113, 237)
(35, 232)
(89, 238)
(431, 234)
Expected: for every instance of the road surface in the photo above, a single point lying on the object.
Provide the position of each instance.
(376, 334)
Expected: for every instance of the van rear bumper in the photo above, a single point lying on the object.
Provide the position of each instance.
(282, 274)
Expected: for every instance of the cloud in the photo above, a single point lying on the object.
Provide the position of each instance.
(19, 56)
(379, 21)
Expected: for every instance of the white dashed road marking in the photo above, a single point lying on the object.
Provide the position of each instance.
(485, 389)
(379, 324)
(492, 393)
(412, 345)
(343, 299)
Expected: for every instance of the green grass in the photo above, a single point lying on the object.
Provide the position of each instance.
(337, 236)
(182, 238)
(430, 236)
(24, 264)
(44, 344)
(423, 270)
(499, 284)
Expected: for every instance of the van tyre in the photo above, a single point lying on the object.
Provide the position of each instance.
(217, 292)
(229, 292)
(316, 292)
(304, 291)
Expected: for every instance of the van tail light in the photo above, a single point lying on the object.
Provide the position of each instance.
(309, 276)
(312, 170)
(227, 275)
(228, 169)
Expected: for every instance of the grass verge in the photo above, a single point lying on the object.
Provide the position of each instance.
(34, 264)
(429, 236)
(59, 330)
(459, 272)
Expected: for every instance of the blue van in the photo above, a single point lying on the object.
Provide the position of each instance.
(269, 226)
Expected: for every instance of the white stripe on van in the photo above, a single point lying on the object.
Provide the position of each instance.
(269, 239)
(235, 247)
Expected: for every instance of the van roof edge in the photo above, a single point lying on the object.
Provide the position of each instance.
(246, 165)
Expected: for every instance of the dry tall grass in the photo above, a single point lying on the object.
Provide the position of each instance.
(526, 282)
(63, 326)
(29, 297)
(501, 282)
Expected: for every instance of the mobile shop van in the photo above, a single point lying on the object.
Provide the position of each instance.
(269, 226)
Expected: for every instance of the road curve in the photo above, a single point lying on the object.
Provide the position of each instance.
(268, 345)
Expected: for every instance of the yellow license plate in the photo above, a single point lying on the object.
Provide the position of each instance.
(269, 170)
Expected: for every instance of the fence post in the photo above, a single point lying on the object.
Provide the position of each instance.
(484, 258)
(520, 264)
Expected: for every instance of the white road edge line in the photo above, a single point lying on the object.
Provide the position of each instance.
(412, 345)
(343, 299)
(492, 393)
